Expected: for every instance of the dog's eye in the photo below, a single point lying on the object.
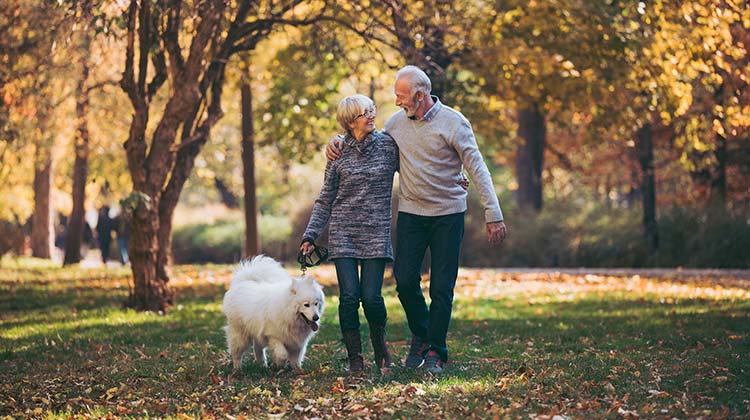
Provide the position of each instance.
(307, 305)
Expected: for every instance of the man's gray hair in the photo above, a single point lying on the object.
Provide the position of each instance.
(418, 79)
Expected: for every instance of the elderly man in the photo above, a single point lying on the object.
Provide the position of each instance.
(435, 144)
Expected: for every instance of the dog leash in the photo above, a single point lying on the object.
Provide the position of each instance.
(318, 256)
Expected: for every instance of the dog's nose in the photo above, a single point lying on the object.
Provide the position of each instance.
(315, 317)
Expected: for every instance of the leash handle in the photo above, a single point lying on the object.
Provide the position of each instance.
(317, 257)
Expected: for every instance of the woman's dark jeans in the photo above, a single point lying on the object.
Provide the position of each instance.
(355, 288)
(443, 235)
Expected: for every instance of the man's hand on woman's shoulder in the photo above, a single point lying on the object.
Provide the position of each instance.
(333, 148)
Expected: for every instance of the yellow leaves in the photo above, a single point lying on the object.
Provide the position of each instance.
(718, 128)
(111, 393)
(512, 15)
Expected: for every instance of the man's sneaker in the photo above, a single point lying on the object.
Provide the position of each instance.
(433, 363)
(415, 359)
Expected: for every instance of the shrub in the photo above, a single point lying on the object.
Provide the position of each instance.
(222, 240)
(219, 242)
(593, 235)
(572, 234)
(11, 238)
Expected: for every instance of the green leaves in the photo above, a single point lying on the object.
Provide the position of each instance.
(299, 112)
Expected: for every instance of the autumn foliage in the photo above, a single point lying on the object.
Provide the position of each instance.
(578, 344)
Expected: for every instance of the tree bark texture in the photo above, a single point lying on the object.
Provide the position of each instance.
(645, 149)
(42, 231)
(530, 157)
(252, 240)
(150, 292)
(74, 234)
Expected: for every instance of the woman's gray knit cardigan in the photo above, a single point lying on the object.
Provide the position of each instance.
(355, 200)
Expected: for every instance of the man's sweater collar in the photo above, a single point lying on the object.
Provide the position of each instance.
(430, 114)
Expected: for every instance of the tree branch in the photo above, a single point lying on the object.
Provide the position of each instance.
(171, 39)
(144, 44)
(128, 76)
(99, 85)
(160, 65)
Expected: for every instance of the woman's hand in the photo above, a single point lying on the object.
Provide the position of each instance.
(306, 248)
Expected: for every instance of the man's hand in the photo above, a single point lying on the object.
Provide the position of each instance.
(496, 232)
(333, 148)
(464, 182)
(306, 248)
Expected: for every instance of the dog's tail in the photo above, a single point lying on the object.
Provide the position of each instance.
(259, 269)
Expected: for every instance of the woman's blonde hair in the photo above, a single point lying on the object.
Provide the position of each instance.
(350, 107)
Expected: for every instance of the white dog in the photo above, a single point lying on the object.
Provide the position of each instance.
(266, 306)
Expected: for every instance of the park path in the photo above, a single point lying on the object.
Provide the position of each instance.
(532, 277)
(643, 272)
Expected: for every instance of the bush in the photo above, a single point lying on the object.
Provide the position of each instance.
(574, 234)
(593, 235)
(222, 240)
(219, 242)
(11, 238)
(710, 237)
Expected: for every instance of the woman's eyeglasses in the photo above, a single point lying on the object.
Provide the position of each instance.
(369, 113)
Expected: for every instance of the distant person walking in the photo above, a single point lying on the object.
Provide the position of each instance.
(123, 235)
(104, 227)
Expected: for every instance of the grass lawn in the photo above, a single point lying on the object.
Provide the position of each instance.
(523, 345)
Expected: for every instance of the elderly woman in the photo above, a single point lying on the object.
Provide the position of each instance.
(355, 202)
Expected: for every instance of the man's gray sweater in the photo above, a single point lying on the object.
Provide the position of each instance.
(432, 152)
(355, 201)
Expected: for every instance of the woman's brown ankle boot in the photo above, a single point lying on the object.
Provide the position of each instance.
(380, 347)
(353, 344)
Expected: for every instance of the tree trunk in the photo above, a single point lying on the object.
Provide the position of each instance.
(164, 237)
(226, 195)
(193, 142)
(645, 149)
(719, 178)
(169, 199)
(252, 241)
(74, 235)
(41, 231)
(719, 174)
(530, 157)
(151, 293)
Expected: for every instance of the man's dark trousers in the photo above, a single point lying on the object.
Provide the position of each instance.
(443, 235)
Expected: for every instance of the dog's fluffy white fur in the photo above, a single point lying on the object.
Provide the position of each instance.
(265, 306)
